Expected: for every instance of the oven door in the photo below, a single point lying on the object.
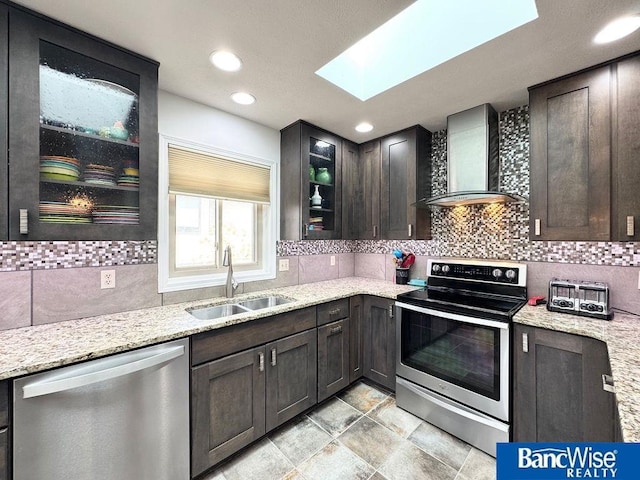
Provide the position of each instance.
(460, 357)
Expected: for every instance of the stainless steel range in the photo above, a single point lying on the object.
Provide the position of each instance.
(453, 356)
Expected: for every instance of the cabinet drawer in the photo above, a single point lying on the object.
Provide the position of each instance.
(225, 341)
(332, 311)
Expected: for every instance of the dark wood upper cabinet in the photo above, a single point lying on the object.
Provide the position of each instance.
(570, 157)
(310, 160)
(82, 137)
(405, 178)
(626, 151)
(4, 74)
(368, 202)
(351, 190)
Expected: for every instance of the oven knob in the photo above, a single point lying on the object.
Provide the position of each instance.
(511, 274)
(446, 269)
(497, 273)
(435, 268)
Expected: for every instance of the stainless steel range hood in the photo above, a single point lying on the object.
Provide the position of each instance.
(473, 165)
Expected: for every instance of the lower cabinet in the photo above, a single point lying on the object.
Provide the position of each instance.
(379, 334)
(5, 457)
(558, 388)
(333, 358)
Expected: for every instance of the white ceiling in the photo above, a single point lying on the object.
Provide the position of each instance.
(283, 42)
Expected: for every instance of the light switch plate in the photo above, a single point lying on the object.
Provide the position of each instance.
(333, 260)
(283, 265)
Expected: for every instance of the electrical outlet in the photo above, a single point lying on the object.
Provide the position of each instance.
(283, 265)
(107, 279)
(333, 260)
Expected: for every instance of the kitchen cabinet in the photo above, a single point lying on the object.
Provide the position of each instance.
(356, 339)
(626, 151)
(368, 201)
(405, 178)
(351, 190)
(333, 348)
(311, 161)
(379, 341)
(247, 379)
(82, 138)
(570, 157)
(4, 75)
(558, 388)
(5, 457)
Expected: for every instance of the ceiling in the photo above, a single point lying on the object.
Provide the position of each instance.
(283, 42)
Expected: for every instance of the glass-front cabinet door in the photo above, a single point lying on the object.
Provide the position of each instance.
(82, 137)
(321, 184)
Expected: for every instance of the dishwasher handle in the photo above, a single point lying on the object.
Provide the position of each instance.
(47, 387)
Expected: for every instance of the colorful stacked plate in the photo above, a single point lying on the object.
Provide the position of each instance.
(59, 168)
(120, 214)
(131, 181)
(99, 174)
(61, 212)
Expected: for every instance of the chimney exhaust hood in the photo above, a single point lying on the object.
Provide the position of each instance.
(473, 166)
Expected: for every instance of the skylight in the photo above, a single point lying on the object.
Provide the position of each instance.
(424, 35)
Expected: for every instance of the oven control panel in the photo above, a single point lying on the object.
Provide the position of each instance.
(497, 273)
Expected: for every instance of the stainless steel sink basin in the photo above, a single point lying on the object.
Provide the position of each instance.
(218, 311)
(264, 302)
(228, 309)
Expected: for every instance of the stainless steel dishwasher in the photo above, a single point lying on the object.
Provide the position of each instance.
(123, 417)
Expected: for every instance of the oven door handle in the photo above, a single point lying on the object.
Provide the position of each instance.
(454, 316)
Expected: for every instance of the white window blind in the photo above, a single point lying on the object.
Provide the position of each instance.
(198, 173)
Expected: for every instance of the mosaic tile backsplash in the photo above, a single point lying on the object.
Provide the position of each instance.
(487, 231)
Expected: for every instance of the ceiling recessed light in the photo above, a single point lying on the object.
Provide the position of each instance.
(227, 61)
(243, 98)
(618, 29)
(364, 127)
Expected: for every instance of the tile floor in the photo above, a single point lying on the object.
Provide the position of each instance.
(359, 434)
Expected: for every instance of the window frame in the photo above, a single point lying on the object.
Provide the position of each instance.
(266, 249)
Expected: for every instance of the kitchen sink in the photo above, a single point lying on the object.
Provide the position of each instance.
(264, 302)
(219, 311)
(228, 309)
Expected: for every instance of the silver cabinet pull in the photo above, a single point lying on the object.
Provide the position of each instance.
(24, 221)
(305, 230)
(390, 311)
(261, 362)
(273, 357)
(375, 231)
(525, 342)
(410, 230)
(537, 227)
(607, 383)
(335, 330)
(630, 226)
(334, 312)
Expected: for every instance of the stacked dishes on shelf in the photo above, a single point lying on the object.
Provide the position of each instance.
(119, 214)
(61, 212)
(129, 178)
(99, 174)
(53, 167)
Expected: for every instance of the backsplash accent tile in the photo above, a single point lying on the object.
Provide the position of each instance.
(68, 254)
(313, 247)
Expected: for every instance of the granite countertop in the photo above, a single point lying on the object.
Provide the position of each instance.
(33, 349)
(620, 335)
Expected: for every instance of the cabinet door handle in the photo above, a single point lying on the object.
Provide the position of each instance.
(261, 362)
(390, 311)
(525, 342)
(335, 330)
(536, 228)
(375, 231)
(305, 230)
(273, 357)
(334, 312)
(607, 383)
(24, 221)
(410, 230)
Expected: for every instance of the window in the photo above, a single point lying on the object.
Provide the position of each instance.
(210, 199)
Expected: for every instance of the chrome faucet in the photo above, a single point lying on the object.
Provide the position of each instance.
(231, 282)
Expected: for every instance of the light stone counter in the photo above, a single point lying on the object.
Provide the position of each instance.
(33, 349)
(622, 335)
